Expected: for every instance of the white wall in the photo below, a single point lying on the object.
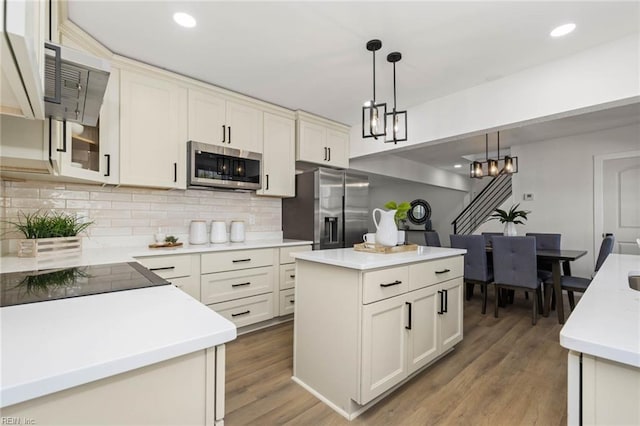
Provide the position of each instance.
(559, 173)
(595, 79)
(445, 204)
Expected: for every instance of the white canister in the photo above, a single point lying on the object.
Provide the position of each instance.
(237, 231)
(218, 231)
(198, 232)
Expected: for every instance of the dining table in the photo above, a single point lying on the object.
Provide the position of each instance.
(559, 260)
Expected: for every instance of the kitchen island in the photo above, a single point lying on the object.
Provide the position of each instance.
(365, 323)
(603, 338)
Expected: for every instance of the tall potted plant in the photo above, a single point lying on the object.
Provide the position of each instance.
(510, 219)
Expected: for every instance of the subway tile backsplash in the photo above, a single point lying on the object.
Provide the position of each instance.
(131, 216)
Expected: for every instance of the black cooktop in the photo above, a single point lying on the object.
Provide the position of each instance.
(17, 288)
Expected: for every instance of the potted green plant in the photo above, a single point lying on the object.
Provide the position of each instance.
(49, 233)
(400, 216)
(510, 218)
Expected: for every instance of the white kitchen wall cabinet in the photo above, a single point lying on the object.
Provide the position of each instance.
(321, 141)
(278, 159)
(153, 130)
(217, 120)
(22, 27)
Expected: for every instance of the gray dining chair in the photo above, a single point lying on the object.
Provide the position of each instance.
(489, 235)
(546, 241)
(432, 239)
(514, 268)
(579, 284)
(476, 268)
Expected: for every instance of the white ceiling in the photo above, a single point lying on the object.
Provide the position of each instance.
(311, 55)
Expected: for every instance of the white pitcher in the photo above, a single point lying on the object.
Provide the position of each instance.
(386, 229)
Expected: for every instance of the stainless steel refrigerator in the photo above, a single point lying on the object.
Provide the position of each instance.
(331, 208)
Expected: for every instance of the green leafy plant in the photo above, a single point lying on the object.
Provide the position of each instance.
(171, 239)
(401, 210)
(49, 225)
(513, 215)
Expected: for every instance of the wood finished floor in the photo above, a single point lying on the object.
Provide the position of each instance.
(504, 372)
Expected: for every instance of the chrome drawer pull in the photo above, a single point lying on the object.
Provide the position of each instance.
(166, 268)
(444, 271)
(241, 260)
(240, 285)
(396, 282)
(241, 313)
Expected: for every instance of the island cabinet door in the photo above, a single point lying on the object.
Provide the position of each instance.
(384, 360)
(422, 312)
(451, 313)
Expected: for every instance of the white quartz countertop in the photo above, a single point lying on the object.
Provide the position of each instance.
(349, 258)
(99, 256)
(55, 345)
(606, 320)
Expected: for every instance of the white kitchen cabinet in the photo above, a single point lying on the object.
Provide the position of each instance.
(181, 270)
(287, 279)
(217, 120)
(22, 27)
(93, 155)
(153, 130)
(278, 159)
(360, 333)
(321, 141)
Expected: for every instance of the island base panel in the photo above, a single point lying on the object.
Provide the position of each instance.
(175, 391)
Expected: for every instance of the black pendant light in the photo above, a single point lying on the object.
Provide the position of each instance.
(397, 122)
(493, 169)
(374, 115)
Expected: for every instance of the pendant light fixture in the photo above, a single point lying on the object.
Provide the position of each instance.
(374, 115)
(509, 164)
(397, 119)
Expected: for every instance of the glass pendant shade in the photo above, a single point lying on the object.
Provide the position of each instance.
(476, 170)
(397, 120)
(374, 114)
(493, 167)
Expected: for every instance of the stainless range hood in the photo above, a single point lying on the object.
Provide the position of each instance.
(75, 83)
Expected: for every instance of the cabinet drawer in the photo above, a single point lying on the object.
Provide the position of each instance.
(246, 311)
(287, 276)
(168, 266)
(287, 300)
(435, 271)
(285, 253)
(236, 259)
(378, 285)
(232, 285)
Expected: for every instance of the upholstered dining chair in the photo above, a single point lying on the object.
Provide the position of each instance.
(514, 268)
(476, 269)
(489, 235)
(432, 239)
(546, 242)
(579, 284)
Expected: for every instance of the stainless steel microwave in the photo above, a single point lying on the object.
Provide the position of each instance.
(222, 167)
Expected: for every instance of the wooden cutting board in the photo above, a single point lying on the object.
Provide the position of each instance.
(384, 249)
(165, 245)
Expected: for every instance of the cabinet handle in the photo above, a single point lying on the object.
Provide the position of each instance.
(165, 268)
(241, 260)
(408, 327)
(177, 286)
(444, 271)
(229, 130)
(175, 172)
(329, 149)
(325, 153)
(64, 138)
(396, 282)
(292, 276)
(224, 134)
(108, 164)
(267, 182)
(292, 301)
(241, 313)
(240, 285)
(446, 300)
(441, 311)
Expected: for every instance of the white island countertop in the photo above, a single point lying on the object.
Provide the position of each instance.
(350, 258)
(100, 256)
(606, 320)
(55, 345)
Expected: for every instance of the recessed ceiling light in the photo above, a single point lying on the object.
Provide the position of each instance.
(184, 19)
(563, 30)
(457, 166)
